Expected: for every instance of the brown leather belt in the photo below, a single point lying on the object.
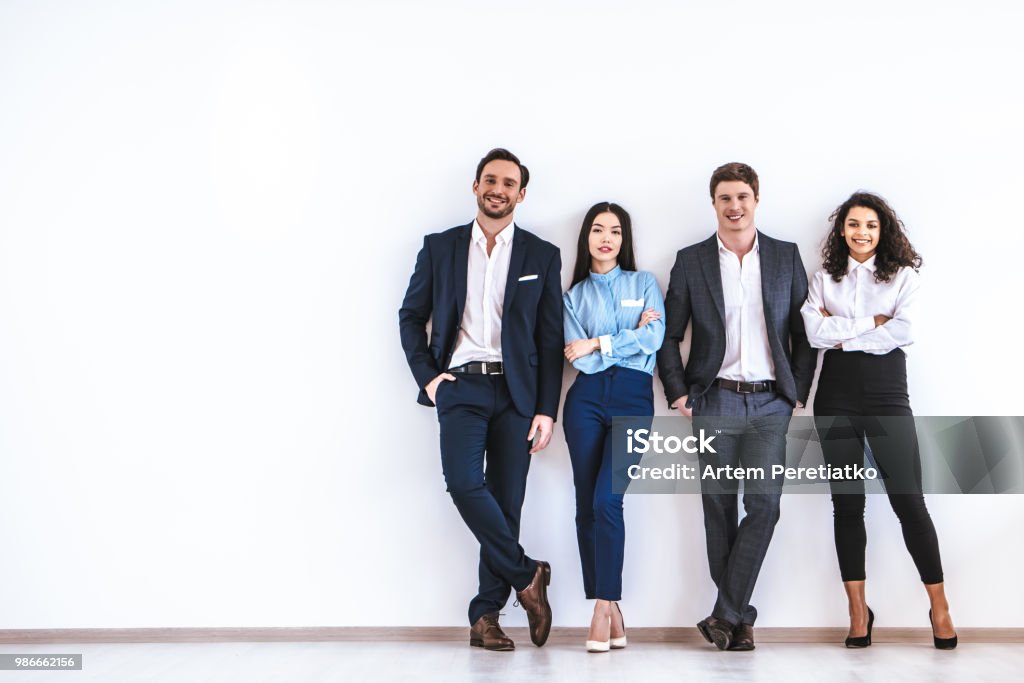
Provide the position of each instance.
(746, 387)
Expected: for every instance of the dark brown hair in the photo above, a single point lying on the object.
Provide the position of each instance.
(626, 259)
(894, 250)
(504, 155)
(735, 171)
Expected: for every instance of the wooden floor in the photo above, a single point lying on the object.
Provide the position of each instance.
(908, 657)
(449, 661)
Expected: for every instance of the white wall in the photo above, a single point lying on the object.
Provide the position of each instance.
(209, 212)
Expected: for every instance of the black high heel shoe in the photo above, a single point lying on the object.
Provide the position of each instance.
(941, 643)
(863, 641)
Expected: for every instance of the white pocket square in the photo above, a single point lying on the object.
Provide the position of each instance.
(632, 303)
(527, 277)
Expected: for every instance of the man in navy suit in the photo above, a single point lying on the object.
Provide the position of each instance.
(493, 368)
(749, 362)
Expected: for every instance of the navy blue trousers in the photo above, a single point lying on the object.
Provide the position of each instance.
(753, 435)
(600, 531)
(485, 458)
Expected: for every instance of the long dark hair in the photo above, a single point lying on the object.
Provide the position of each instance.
(894, 250)
(626, 259)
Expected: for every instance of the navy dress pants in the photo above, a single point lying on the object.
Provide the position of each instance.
(855, 388)
(485, 458)
(753, 435)
(600, 531)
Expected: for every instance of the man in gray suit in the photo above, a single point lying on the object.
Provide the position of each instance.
(749, 362)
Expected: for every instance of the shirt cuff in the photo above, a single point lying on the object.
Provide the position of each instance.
(606, 344)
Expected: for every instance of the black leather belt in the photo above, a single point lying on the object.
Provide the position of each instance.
(746, 387)
(479, 369)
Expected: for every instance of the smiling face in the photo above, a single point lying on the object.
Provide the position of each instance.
(861, 229)
(734, 203)
(605, 242)
(499, 189)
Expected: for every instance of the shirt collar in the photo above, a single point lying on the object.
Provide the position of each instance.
(721, 244)
(505, 236)
(606, 277)
(853, 264)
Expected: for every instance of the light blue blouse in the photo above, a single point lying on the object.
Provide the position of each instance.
(609, 307)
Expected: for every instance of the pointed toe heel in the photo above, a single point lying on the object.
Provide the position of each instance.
(862, 641)
(619, 643)
(941, 643)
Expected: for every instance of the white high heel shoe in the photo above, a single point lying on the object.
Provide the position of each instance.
(600, 645)
(618, 643)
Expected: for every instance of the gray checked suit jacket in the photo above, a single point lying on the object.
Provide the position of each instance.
(695, 293)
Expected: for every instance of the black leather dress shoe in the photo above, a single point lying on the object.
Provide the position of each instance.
(717, 631)
(487, 633)
(742, 638)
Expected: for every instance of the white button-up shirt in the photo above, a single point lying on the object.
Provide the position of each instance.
(853, 303)
(748, 356)
(480, 332)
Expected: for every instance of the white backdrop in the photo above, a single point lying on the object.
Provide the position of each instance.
(209, 212)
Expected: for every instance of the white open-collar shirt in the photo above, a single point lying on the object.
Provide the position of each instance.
(748, 356)
(480, 332)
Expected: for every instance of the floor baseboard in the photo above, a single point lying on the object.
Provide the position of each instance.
(559, 635)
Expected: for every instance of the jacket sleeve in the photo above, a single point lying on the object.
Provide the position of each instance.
(677, 317)
(803, 358)
(548, 339)
(413, 316)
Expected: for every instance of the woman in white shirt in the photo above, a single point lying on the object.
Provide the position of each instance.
(860, 307)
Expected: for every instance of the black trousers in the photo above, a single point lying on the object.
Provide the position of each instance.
(857, 388)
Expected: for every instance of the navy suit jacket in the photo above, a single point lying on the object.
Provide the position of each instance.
(531, 318)
(695, 293)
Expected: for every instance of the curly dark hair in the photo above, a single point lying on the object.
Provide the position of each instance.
(894, 249)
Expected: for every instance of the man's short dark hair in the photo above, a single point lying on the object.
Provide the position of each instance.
(503, 154)
(734, 171)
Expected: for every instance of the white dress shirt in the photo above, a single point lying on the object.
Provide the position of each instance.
(480, 332)
(748, 356)
(853, 303)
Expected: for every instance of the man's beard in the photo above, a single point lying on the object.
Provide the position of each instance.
(506, 210)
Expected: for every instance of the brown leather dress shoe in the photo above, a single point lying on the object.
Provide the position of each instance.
(742, 637)
(534, 599)
(717, 631)
(487, 633)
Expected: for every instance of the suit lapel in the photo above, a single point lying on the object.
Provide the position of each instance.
(462, 244)
(771, 272)
(713, 274)
(770, 269)
(515, 267)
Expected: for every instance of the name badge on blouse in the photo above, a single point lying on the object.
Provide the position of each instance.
(632, 303)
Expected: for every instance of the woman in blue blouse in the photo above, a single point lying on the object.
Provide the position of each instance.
(613, 328)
